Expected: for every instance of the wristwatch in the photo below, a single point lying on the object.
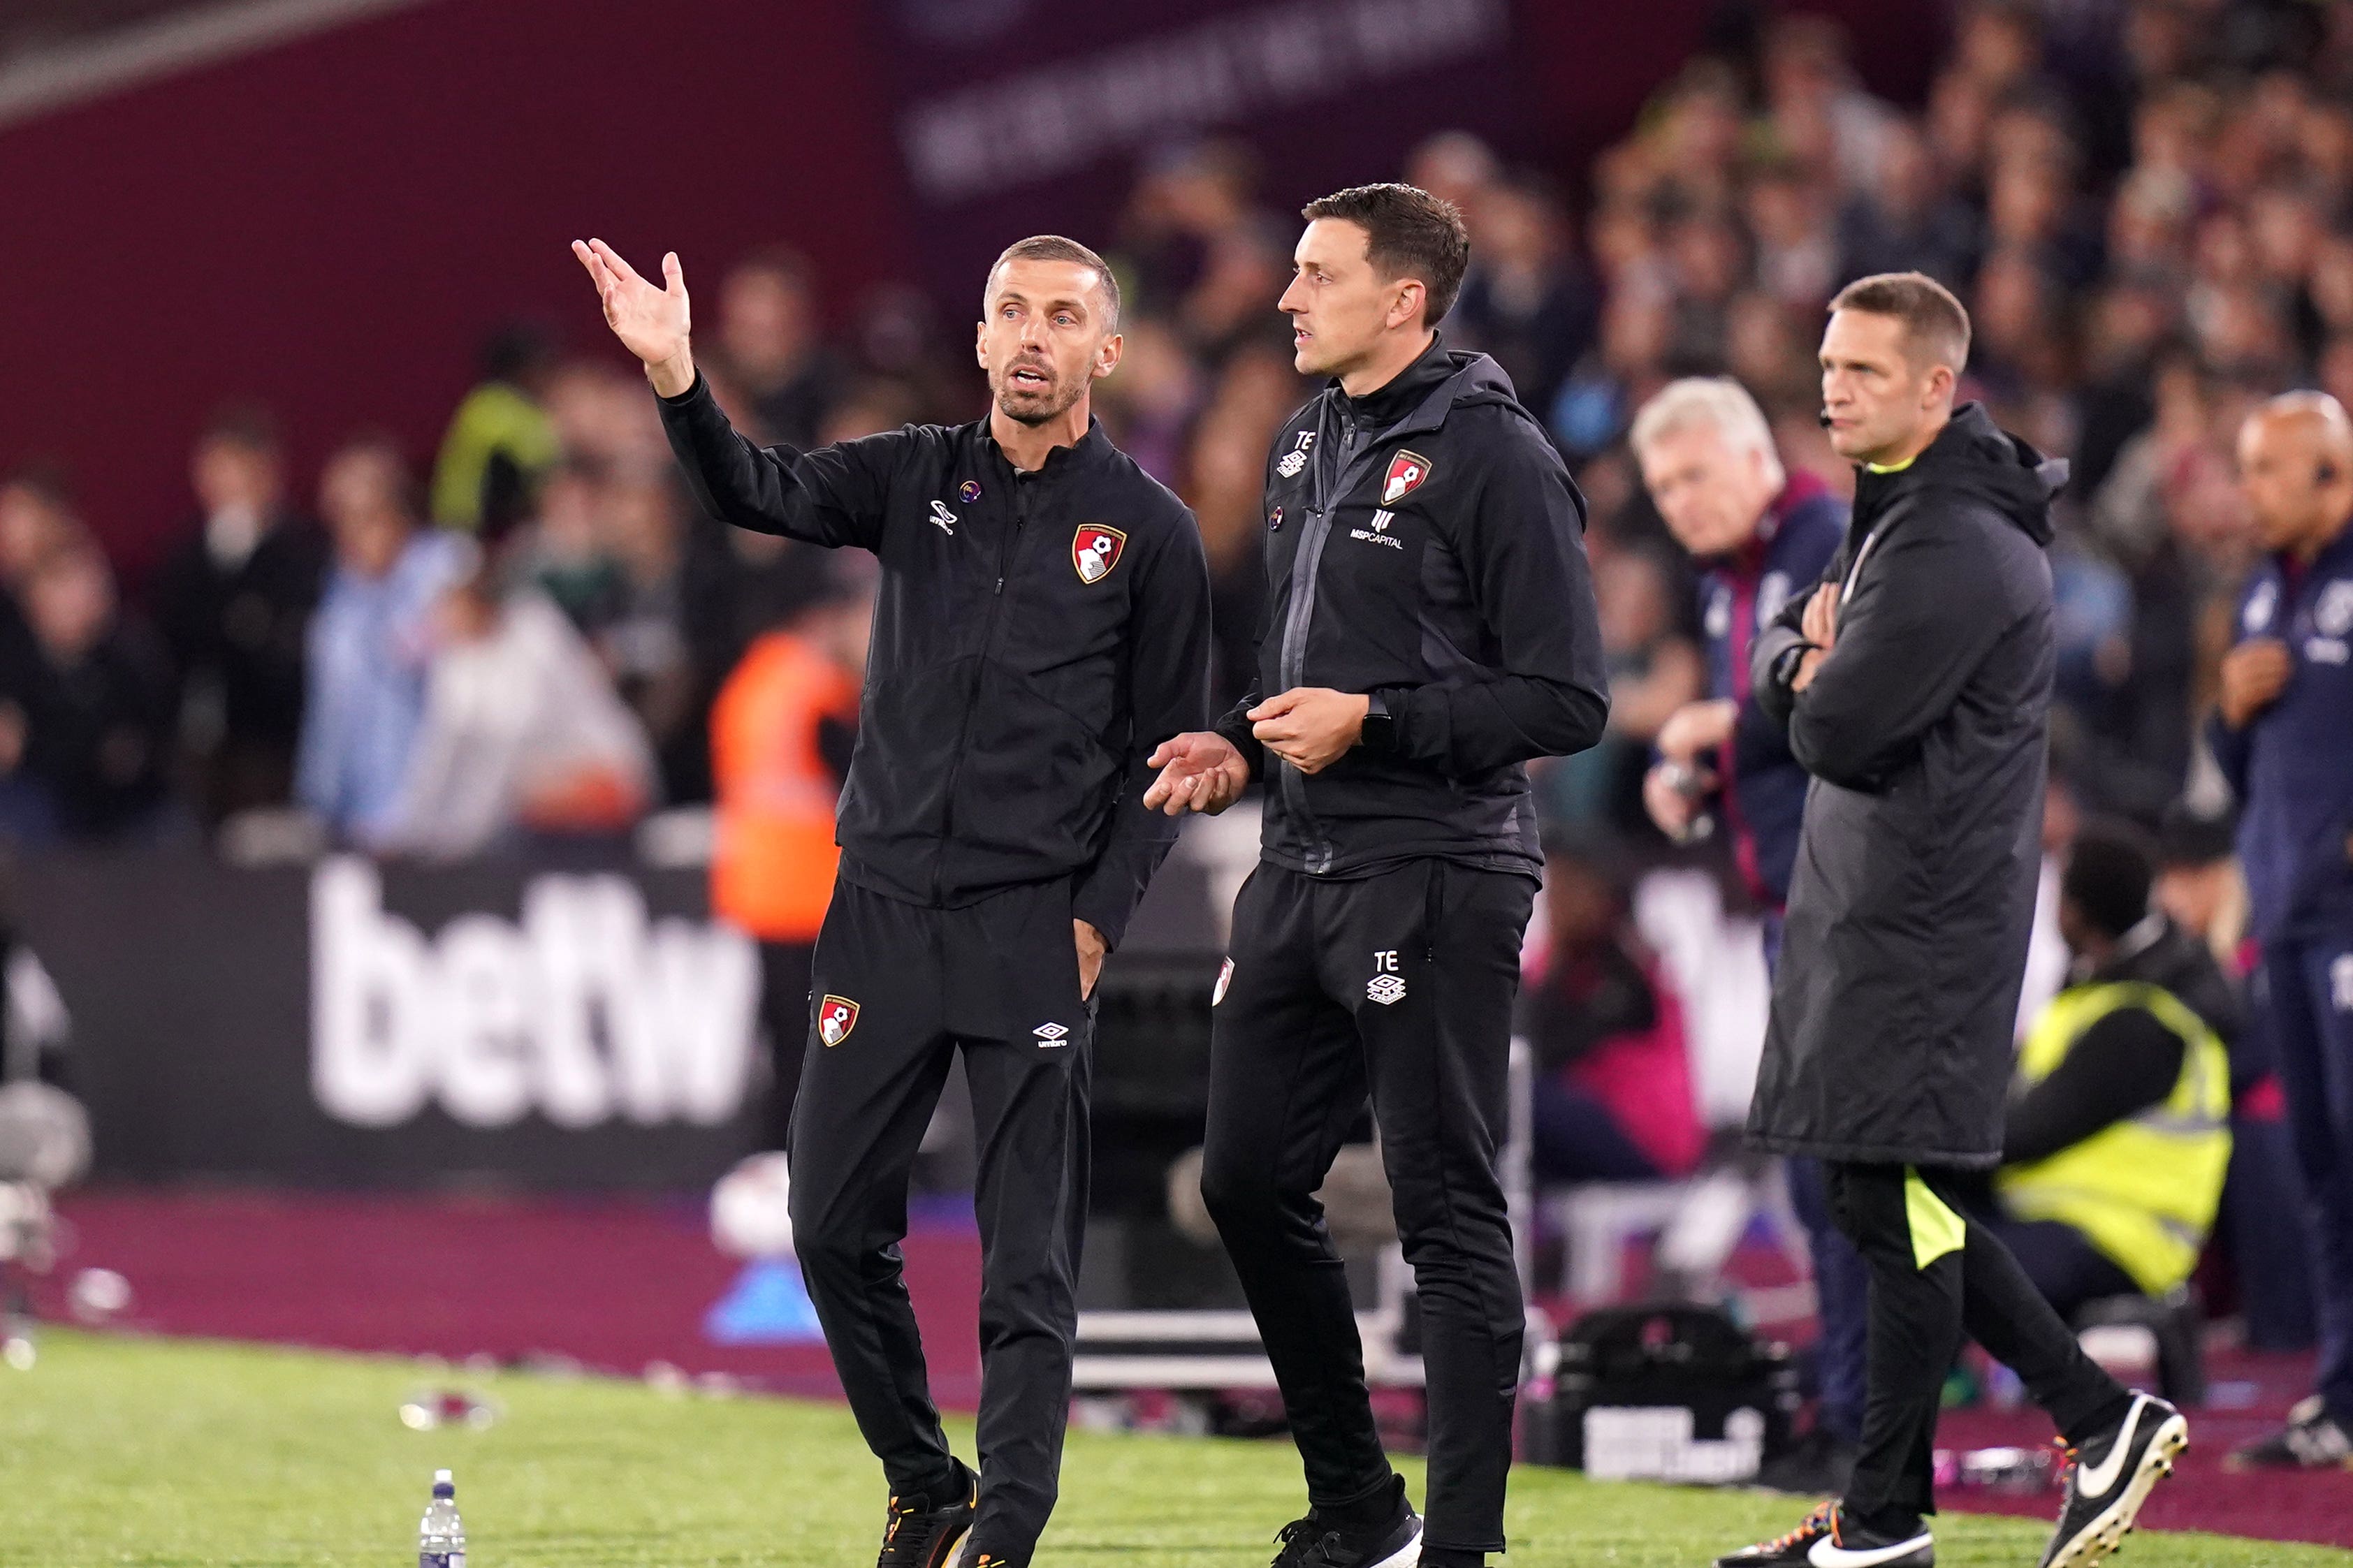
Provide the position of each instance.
(1785, 668)
(1379, 733)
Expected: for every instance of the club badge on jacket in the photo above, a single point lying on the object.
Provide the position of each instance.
(1094, 551)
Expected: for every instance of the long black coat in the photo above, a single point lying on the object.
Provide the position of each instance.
(1925, 731)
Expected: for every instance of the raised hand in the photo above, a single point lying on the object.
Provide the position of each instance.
(652, 324)
(1198, 772)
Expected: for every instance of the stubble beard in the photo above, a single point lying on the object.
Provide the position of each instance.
(1035, 409)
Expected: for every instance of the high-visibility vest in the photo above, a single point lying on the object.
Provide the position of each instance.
(772, 866)
(2143, 1190)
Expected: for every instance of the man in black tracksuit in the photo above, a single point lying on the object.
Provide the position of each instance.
(1042, 625)
(1430, 629)
(1914, 680)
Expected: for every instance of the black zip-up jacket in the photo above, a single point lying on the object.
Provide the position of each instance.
(1036, 637)
(1425, 545)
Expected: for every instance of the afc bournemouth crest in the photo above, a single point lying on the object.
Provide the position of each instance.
(1407, 470)
(1094, 551)
(835, 1017)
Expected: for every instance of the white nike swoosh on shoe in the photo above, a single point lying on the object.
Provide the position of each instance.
(1825, 1555)
(2104, 1535)
(2098, 1480)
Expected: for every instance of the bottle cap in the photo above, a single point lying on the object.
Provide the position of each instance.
(442, 1486)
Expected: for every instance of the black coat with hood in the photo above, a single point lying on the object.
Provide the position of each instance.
(1426, 546)
(1925, 729)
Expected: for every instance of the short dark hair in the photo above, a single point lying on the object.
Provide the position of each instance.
(2109, 868)
(2187, 836)
(1408, 233)
(1054, 248)
(1933, 319)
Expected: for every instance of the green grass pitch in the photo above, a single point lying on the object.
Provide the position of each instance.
(116, 1451)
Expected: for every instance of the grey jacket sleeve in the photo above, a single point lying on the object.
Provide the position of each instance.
(835, 495)
(1925, 610)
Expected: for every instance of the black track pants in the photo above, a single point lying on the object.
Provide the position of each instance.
(1400, 984)
(1935, 1276)
(1001, 981)
(784, 1014)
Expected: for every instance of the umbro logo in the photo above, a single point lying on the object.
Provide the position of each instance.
(1296, 458)
(1050, 1033)
(944, 517)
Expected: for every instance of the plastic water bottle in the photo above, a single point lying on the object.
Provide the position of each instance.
(441, 1538)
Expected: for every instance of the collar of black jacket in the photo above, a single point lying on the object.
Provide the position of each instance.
(1973, 455)
(1402, 393)
(1087, 450)
(1420, 396)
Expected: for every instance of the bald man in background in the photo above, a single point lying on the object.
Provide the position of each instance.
(2284, 735)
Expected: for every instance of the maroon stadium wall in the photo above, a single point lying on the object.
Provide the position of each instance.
(333, 225)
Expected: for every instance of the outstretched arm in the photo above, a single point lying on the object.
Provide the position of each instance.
(835, 495)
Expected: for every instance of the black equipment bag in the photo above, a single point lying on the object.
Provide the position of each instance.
(1675, 1390)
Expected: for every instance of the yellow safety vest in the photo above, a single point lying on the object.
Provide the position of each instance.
(2144, 1190)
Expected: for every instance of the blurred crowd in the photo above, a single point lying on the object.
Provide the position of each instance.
(2147, 212)
(2148, 218)
(520, 642)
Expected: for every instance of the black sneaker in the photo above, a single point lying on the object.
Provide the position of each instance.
(917, 1535)
(1316, 1542)
(1826, 1540)
(2110, 1477)
(2310, 1441)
